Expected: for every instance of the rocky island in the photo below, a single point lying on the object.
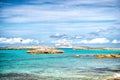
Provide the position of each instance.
(45, 51)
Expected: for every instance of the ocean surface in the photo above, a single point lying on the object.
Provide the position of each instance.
(19, 65)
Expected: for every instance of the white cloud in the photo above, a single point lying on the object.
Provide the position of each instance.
(95, 41)
(78, 37)
(107, 2)
(17, 40)
(116, 41)
(73, 2)
(100, 30)
(58, 35)
(63, 43)
(32, 13)
(17, 20)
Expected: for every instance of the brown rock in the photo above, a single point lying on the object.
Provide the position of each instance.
(117, 78)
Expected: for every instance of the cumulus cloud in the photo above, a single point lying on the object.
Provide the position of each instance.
(77, 37)
(63, 43)
(94, 33)
(17, 40)
(58, 35)
(62, 36)
(95, 41)
(100, 30)
(116, 41)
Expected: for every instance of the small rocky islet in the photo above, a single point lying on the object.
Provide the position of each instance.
(45, 51)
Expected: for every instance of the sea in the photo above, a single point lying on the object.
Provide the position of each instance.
(20, 65)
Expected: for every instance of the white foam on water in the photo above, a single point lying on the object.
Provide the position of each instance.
(117, 74)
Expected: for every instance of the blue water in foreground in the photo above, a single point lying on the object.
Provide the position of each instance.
(58, 66)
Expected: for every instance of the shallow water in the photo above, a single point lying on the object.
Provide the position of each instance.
(66, 66)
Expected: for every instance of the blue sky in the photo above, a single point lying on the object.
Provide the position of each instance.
(93, 23)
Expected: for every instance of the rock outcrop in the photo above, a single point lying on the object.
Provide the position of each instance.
(116, 78)
(107, 56)
(45, 51)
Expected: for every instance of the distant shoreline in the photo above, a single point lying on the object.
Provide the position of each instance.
(91, 48)
(43, 47)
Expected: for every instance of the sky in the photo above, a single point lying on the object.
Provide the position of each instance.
(94, 23)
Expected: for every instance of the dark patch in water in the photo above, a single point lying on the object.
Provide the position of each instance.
(19, 76)
(63, 67)
(116, 70)
(118, 66)
(14, 75)
(100, 70)
(24, 76)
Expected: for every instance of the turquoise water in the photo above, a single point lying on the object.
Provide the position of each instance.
(14, 63)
